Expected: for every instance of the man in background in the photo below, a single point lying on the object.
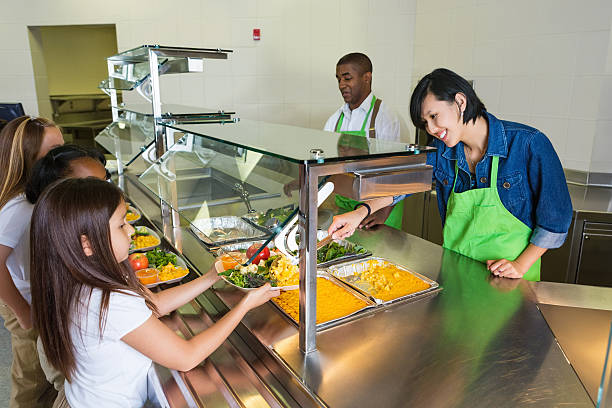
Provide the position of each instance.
(363, 114)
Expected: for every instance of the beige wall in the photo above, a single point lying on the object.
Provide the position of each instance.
(286, 77)
(75, 57)
(537, 62)
(601, 158)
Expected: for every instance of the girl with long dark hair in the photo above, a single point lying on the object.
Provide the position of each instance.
(98, 324)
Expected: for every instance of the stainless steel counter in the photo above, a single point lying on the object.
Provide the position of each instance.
(590, 198)
(479, 342)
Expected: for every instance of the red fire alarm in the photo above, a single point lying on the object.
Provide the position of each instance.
(256, 34)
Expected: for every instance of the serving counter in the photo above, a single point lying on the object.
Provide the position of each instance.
(477, 342)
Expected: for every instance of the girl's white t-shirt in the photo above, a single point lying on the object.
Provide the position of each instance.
(15, 218)
(109, 373)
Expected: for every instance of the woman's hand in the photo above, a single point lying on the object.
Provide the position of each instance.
(379, 217)
(344, 225)
(506, 269)
(259, 296)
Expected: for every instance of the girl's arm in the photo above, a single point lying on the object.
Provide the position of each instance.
(171, 299)
(9, 293)
(517, 268)
(155, 340)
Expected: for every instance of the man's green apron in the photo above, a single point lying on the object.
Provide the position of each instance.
(479, 226)
(395, 217)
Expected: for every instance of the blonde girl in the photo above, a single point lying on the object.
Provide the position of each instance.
(23, 141)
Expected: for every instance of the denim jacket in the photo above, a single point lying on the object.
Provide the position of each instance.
(530, 182)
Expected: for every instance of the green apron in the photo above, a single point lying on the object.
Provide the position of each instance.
(480, 227)
(395, 217)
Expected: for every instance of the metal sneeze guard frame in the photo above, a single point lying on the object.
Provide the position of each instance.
(309, 174)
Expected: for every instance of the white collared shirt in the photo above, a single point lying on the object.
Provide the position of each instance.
(387, 124)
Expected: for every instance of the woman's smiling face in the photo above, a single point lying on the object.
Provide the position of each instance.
(443, 120)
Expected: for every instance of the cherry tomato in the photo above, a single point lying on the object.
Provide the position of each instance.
(138, 261)
(263, 255)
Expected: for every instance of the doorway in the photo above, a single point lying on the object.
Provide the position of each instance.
(69, 62)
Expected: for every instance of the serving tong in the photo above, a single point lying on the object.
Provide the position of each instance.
(286, 241)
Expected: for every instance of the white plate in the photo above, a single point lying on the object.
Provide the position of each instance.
(135, 211)
(145, 249)
(219, 268)
(179, 262)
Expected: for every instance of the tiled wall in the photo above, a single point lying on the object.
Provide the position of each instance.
(546, 63)
(601, 159)
(287, 76)
(541, 62)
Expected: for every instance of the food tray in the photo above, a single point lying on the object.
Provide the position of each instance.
(321, 274)
(135, 211)
(179, 262)
(145, 249)
(342, 259)
(345, 258)
(235, 230)
(346, 272)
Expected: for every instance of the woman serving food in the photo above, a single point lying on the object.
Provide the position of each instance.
(502, 194)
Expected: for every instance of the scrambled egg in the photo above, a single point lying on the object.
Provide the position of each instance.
(143, 241)
(130, 216)
(388, 282)
(170, 271)
(285, 272)
(333, 302)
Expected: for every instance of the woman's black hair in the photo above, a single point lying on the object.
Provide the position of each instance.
(55, 165)
(444, 84)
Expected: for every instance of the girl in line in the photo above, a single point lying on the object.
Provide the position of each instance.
(98, 324)
(501, 190)
(22, 141)
(67, 161)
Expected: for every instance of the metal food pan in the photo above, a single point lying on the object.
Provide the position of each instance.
(238, 246)
(347, 273)
(345, 258)
(251, 218)
(321, 326)
(235, 228)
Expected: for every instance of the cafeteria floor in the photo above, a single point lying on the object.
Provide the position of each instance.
(5, 365)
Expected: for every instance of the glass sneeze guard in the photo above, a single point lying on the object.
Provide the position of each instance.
(233, 182)
(225, 194)
(130, 135)
(131, 68)
(299, 145)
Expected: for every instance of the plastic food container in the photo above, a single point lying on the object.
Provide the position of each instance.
(147, 276)
(232, 259)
